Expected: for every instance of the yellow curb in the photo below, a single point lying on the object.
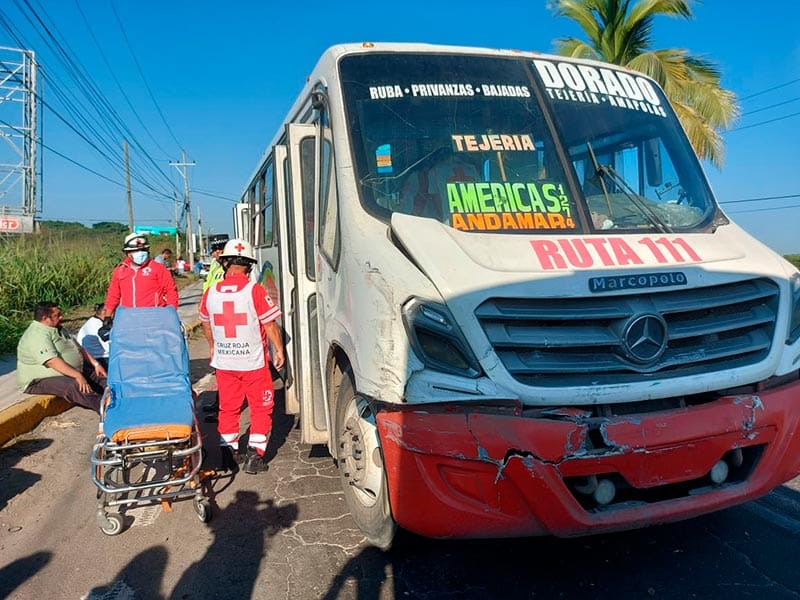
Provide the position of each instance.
(24, 416)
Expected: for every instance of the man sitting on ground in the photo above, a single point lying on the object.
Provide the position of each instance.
(93, 336)
(50, 361)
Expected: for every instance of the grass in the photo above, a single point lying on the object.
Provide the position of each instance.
(67, 270)
(71, 269)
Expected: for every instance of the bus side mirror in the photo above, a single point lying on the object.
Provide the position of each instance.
(652, 162)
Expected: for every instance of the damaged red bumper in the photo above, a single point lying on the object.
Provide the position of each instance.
(477, 471)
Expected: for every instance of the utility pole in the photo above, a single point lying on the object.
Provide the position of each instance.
(128, 187)
(186, 204)
(200, 233)
(177, 226)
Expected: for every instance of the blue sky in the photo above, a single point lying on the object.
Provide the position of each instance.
(223, 79)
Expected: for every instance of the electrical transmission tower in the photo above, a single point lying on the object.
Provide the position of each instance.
(18, 139)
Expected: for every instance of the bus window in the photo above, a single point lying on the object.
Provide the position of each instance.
(257, 212)
(329, 210)
(307, 158)
(470, 159)
(267, 204)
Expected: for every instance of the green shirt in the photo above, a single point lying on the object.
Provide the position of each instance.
(215, 273)
(39, 344)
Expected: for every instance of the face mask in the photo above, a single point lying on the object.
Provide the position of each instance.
(139, 257)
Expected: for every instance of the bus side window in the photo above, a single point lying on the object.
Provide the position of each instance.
(328, 208)
(307, 159)
(267, 204)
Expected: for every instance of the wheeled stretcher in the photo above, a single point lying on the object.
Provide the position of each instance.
(149, 447)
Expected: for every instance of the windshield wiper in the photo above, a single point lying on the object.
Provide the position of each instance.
(607, 171)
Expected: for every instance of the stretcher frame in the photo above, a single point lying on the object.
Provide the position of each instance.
(138, 463)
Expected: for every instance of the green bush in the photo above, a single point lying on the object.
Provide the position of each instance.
(70, 268)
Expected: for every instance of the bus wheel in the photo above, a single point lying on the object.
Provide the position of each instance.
(361, 466)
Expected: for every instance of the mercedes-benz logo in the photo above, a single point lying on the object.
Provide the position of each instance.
(644, 338)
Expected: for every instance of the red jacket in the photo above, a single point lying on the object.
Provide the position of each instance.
(143, 286)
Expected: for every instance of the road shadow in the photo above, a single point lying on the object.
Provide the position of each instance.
(14, 481)
(140, 578)
(367, 572)
(198, 368)
(18, 572)
(231, 564)
(734, 553)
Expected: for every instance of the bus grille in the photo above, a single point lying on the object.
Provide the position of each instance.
(558, 342)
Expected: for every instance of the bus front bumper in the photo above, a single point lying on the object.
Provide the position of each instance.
(493, 471)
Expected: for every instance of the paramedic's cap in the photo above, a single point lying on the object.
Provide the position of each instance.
(236, 247)
(135, 241)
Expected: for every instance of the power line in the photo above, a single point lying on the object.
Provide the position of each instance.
(770, 89)
(213, 195)
(760, 199)
(752, 210)
(761, 123)
(750, 112)
(100, 105)
(141, 74)
(157, 197)
(111, 156)
(65, 157)
(116, 80)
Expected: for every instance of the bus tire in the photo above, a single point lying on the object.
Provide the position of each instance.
(363, 479)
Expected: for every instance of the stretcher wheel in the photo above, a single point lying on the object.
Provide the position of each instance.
(112, 524)
(203, 509)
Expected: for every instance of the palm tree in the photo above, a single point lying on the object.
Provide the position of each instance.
(619, 32)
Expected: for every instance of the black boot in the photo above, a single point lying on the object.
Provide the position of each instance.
(230, 459)
(254, 462)
(214, 406)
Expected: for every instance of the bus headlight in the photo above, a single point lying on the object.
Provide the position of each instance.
(437, 340)
(794, 318)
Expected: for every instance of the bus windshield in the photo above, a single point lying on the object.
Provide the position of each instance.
(463, 139)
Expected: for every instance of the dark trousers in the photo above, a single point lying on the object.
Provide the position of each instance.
(67, 388)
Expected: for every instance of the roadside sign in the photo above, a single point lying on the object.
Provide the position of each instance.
(16, 224)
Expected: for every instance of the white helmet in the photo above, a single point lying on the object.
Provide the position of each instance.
(135, 241)
(237, 247)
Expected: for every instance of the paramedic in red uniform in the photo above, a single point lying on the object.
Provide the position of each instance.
(238, 317)
(139, 282)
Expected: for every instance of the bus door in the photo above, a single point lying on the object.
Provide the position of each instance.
(302, 323)
(284, 275)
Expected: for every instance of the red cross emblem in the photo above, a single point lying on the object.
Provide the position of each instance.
(239, 247)
(229, 319)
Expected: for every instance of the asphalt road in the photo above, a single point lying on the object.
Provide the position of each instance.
(287, 534)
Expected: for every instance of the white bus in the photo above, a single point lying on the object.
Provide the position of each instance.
(512, 305)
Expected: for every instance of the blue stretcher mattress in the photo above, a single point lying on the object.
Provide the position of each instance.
(148, 374)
